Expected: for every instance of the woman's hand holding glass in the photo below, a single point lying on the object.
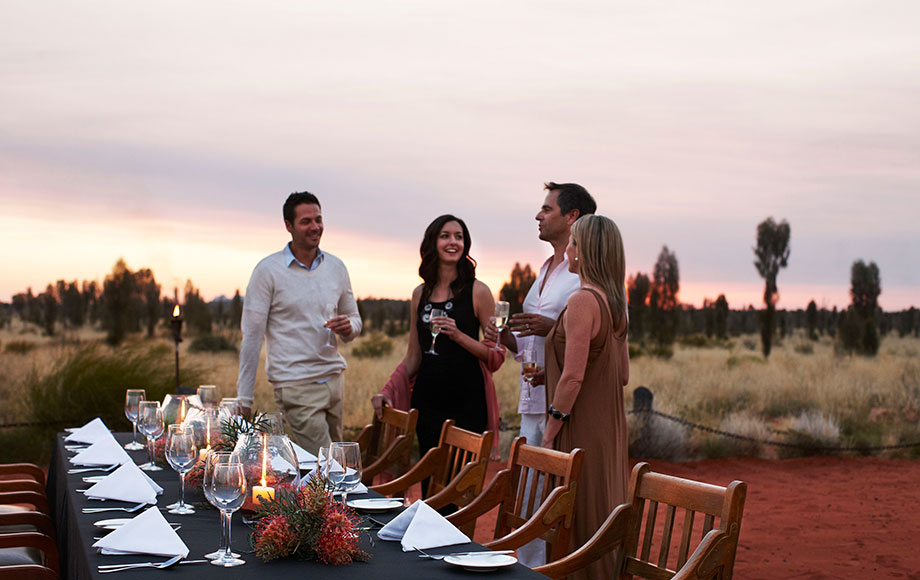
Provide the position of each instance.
(132, 398)
(228, 490)
(150, 424)
(182, 454)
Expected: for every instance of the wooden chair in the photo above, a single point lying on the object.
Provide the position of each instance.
(386, 443)
(662, 553)
(527, 512)
(456, 468)
(20, 471)
(28, 555)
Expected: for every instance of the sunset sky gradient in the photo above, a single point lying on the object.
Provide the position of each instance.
(169, 134)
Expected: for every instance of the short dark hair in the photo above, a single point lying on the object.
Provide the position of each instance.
(572, 196)
(296, 199)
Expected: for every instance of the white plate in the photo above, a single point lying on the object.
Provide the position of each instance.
(377, 504)
(484, 562)
(112, 523)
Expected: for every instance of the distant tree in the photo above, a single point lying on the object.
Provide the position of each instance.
(772, 254)
(515, 290)
(720, 309)
(860, 332)
(72, 305)
(197, 314)
(49, 308)
(811, 317)
(663, 306)
(92, 308)
(637, 290)
(236, 310)
(118, 290)
(150, 293)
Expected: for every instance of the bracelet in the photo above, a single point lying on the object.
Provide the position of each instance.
(557, 414)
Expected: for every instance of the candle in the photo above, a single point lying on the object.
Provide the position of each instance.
(262, 493)
(203, 454)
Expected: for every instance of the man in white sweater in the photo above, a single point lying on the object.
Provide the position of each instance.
(299, 300)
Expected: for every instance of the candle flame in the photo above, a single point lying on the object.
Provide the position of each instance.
(264, 456)
(176, 311)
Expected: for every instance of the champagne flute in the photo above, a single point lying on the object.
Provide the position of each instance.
(132, 398)
(528, 368)
(502, 309)
(435, 329)
(330, 312)
(150, 423)
(228, 488)
(348, 454)
(213, 458)
(207, 394)
(182, 455)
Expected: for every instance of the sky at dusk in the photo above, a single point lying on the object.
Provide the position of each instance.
(170, 133)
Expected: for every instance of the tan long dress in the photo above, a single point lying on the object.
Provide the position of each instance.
(597, 425)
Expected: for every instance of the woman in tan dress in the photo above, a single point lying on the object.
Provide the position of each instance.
(587, 366)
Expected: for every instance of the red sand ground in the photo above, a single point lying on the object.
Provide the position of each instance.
(818, 517)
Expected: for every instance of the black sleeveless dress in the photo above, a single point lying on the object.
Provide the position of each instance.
(450, 385)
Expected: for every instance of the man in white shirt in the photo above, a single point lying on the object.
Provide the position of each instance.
(564, 203)
(298, 300)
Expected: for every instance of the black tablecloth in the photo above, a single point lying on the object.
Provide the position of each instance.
(201, 533)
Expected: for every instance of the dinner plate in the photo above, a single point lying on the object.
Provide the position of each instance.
(112, 524)
(482, 562)
(377, 504)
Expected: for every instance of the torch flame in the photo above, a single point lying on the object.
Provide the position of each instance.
(176, 311)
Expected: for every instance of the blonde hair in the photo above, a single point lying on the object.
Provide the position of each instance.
(602, 260)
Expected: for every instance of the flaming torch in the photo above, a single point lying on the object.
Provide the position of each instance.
(176, 324)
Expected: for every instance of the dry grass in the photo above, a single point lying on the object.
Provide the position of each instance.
(875, 401)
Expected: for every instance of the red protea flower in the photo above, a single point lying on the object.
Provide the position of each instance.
(275, 538)
(337, 543)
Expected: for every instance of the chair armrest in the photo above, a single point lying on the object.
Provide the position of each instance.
(468, 480)
(560, 503)
(31, 571)
(716, 551)
(21, 485)
(24, 469)
(401, 446)
(29, 518)
(613, 532)
(26, 497)
(33, 540)
(496, 492)
(425, 468)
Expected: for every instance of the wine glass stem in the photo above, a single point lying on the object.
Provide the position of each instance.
(224, 532)
(134, 431)
(181, 489)
(227, 550)
(150, 451)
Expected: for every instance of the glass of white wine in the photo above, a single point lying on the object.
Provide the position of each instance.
(502, 309)
(435, 329)
(528, 368)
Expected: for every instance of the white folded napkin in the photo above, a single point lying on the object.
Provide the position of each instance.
(148, 533)
(127, 483)
(89, 433)
(303, 456)
(106, 451)
(422, 527)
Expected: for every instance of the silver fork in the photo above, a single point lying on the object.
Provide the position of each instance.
(130, 510)
(119, 567)
(103, 468)
(423, 554)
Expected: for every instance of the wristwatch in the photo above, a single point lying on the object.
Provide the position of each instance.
(557, 414)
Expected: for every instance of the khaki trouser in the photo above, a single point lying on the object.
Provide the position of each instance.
(313, 411)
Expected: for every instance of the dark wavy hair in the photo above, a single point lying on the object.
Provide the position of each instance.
(428, 269)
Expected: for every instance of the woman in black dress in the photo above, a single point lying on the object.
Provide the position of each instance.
(448, 385)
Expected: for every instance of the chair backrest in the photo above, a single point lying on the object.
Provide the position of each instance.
(535, 495)
(386, 442)
(682, 525)
(462, 451)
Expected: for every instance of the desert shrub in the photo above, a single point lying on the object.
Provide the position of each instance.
(741, 359)
(211, 343)
(812, 434)
(91, 382)
(862, 434)
(654, 437)
(749, 343)
(784, 406)
(663, 351)
(635, 351)
(695, 340)
(19, 346)
(376, 345)
(746, 425)
(804, 348)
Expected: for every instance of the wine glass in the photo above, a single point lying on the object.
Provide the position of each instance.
(182, 455)
(435, 329)
(502, 309)
(132, 398)
(528, 368)
(150, 423)
(348, 455)
(228, 488)
(330, 312)
(207, 394)
(213, 458)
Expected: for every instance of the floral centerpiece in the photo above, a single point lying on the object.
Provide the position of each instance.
(305, 522)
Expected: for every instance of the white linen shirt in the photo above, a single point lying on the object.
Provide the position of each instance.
(560, 284)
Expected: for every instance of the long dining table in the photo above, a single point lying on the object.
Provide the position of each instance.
(201, 533)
